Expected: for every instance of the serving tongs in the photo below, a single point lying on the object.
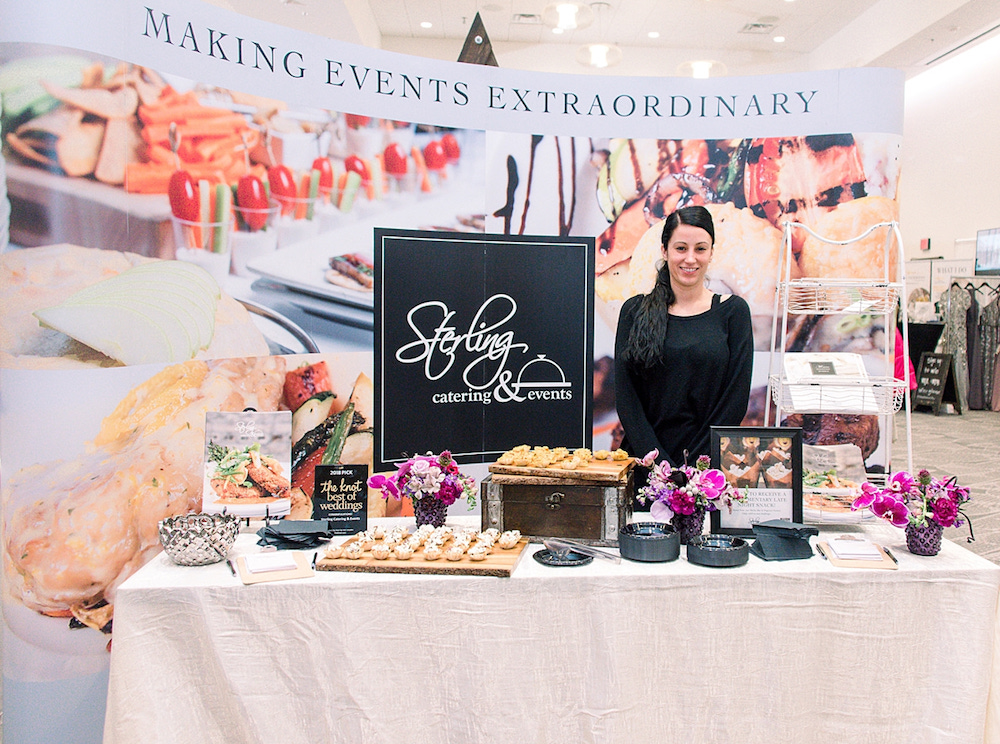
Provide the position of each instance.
(561, 548)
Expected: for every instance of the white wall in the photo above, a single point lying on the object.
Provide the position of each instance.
(950, 177)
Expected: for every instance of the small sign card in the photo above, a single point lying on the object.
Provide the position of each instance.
(341, 497)
(247, 460)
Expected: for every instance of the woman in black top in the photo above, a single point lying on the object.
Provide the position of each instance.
(683, 355)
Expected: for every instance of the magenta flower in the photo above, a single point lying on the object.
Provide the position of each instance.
(914, 501)
(387, 485)
(684, 489)
(868, 495)
(902, 483)
(945, 512)
(427, 476)
(712, 483)
(682, 502)
(891, 509)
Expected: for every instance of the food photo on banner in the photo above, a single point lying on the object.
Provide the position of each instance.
(122, 153)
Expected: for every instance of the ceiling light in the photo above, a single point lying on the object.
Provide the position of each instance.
(779, 39)
(599, 55)
(426, 24)
(567, 13)
(567, 16)
(557, 30)
(701, 69)
(653, 34)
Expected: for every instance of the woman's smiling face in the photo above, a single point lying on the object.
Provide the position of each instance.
(688, 254)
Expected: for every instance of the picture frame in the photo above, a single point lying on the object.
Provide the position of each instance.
(767, 462)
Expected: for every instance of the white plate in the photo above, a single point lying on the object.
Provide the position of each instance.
(303, 266)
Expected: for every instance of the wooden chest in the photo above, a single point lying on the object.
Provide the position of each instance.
(590, 511)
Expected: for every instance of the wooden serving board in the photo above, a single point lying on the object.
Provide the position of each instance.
(498, 563)
(604, 471)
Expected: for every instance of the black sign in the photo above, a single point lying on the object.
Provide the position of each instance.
(341, 497)
(934, 380)
(822, 368)
(482, 342)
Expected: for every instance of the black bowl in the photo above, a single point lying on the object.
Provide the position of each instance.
(718, 551)
(649, 542)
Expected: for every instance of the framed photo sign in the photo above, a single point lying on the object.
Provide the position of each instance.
(767, 463)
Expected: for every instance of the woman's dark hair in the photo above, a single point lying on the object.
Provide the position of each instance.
(645, 340)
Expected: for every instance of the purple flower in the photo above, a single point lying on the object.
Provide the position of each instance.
(703, 463)
(660, 511)
(944, 512)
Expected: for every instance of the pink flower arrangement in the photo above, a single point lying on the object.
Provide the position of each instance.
(427, 476)
(683, 489)
(906, 500)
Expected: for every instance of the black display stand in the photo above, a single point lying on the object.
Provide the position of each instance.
(935, 383)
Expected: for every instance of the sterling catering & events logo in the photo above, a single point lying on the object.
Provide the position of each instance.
(494, 361)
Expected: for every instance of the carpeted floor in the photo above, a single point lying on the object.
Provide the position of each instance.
(968, 446)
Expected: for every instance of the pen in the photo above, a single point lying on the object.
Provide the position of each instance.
(889, 553)
(232, 569)
(314, 560)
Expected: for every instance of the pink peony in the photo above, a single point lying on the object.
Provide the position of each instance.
(682, 502)
(944, 511)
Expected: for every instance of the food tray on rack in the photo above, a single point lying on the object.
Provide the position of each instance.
(602, 471)
(830, 296)
(499, 562)
(871, 396)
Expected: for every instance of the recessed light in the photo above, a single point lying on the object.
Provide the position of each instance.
(653, 34)
(779, 39)
(426, 24)
(557, 30)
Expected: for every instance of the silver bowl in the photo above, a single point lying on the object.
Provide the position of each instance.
(198, 539)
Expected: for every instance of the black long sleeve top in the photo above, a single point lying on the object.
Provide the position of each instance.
(702, 380)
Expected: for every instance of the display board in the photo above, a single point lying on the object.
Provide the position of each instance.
(577, 157)
(477, 349)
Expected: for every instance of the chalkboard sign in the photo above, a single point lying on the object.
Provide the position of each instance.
(482, 342)
(934, 380)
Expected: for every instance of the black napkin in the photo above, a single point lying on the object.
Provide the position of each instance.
(781, 540)
(295, 534)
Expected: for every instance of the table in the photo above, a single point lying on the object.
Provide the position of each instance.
(769, 652)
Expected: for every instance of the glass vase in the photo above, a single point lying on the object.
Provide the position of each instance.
(429, 510)
(689, 526)
(924, 539)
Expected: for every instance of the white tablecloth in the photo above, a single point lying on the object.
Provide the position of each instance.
(800, 652)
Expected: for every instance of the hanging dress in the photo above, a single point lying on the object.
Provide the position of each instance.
(989, 336)
(954, 340)
(975, 352)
